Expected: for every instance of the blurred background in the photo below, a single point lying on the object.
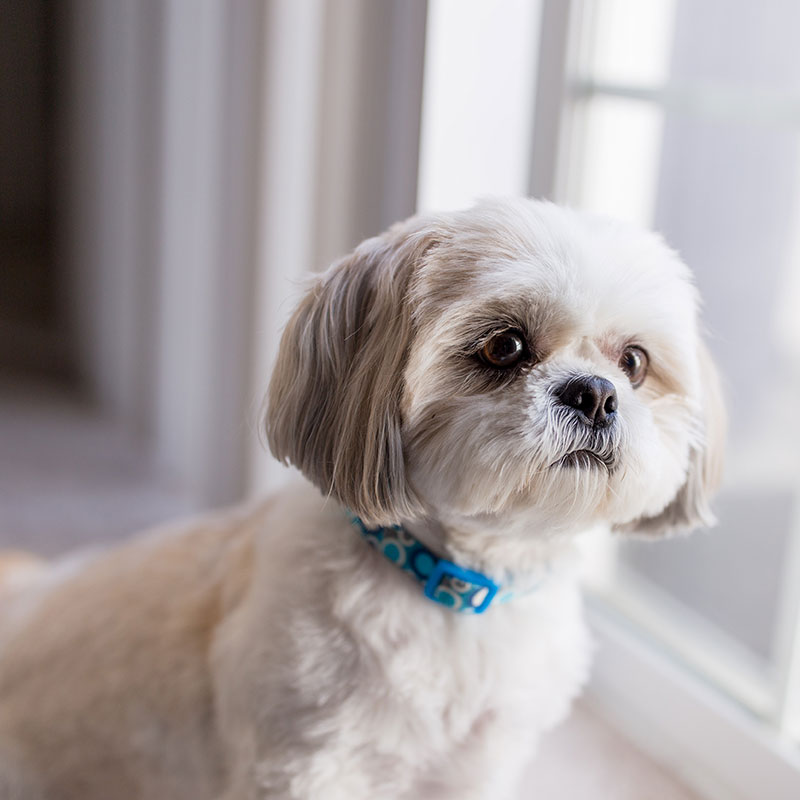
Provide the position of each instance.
(171, 169)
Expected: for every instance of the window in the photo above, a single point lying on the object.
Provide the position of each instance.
(683, 116)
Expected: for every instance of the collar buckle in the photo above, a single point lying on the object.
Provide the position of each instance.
(444, 582)
(459, 588)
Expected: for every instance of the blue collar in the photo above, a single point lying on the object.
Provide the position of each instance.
(461, 590)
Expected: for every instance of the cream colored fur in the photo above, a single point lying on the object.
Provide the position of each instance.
(268, 652)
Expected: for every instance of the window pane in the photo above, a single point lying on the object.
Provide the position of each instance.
(727, 198)
(738, 43)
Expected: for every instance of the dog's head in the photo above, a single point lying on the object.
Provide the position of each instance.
(515, 359)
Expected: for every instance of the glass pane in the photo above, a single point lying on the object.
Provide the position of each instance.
(730, 575)
(737, 43)
(727, 198)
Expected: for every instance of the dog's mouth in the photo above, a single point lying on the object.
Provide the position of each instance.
(586, 459)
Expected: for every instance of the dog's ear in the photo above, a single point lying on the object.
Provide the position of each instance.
(333, 406)
(690, 508)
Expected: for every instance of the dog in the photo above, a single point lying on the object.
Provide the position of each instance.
(464, 394)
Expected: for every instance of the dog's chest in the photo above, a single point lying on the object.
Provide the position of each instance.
(441, 708)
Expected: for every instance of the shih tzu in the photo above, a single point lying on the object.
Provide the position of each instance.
(464, 394)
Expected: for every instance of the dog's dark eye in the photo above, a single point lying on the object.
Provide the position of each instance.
(504, 349)
(633, 363)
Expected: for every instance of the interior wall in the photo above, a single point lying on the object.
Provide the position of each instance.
(214, 154)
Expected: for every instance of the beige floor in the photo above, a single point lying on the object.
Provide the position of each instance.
(69, 479)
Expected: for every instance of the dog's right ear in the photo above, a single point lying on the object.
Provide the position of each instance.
(690, 507)
(333, 407)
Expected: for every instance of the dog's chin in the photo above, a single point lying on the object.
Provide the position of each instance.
(584, 459)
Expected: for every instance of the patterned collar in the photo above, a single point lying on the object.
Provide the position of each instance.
(461, 590)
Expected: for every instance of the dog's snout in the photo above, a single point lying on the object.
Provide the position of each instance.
(593, 397)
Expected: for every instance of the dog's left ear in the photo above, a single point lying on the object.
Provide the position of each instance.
(333, 407)
(690, 508)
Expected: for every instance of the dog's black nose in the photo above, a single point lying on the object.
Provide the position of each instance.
(591, 396)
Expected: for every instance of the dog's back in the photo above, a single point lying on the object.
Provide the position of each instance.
(104, 674)
(17, 569)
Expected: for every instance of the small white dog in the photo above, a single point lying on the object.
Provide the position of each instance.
(466, 392)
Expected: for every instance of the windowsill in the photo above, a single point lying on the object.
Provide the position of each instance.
(698, 734)
(586, 758)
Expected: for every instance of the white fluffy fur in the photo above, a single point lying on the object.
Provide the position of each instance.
(270, 653)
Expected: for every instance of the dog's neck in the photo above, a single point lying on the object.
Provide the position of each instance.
(453, 575)
(508, 548)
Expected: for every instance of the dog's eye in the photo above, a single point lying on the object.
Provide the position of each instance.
(504, 349)
(633, 363)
